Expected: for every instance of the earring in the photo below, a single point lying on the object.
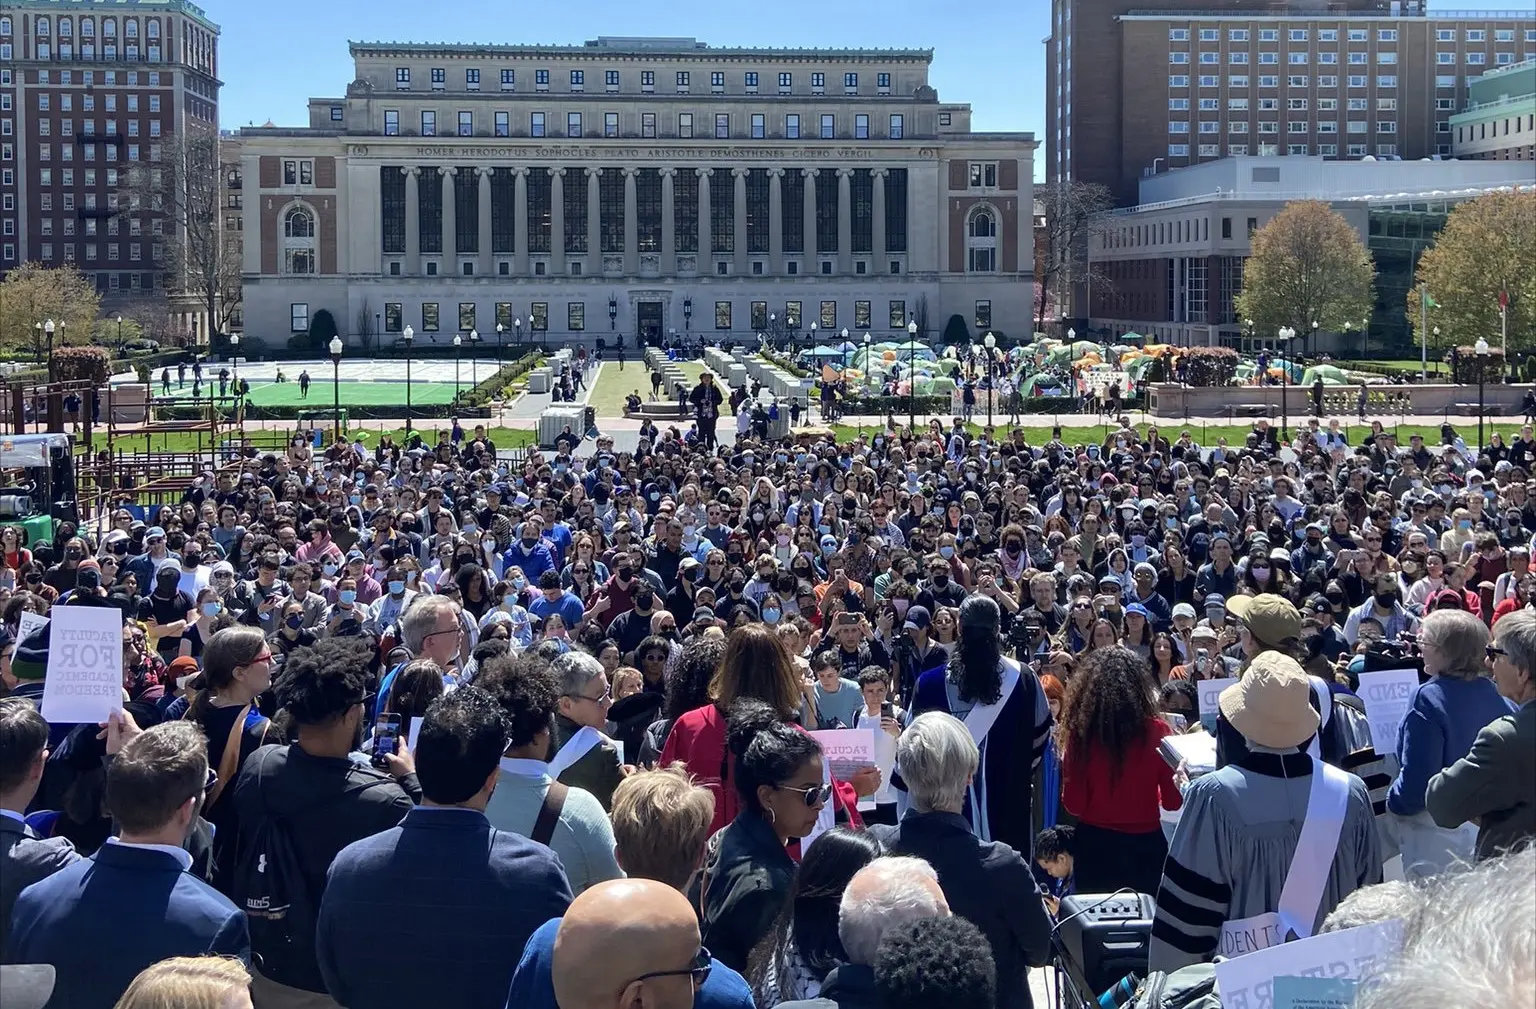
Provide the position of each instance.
(772, 818)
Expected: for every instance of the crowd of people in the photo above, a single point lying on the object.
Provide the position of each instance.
(462, 725)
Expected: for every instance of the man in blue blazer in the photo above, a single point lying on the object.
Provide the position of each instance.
(25, 858)
(434, 912)
(102, 920)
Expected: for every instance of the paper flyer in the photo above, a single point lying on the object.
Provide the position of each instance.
(1209, 692)
(1386, 694)
(29, 622)
(1355, 954)
(84, 683)
(847, 750)
(1314, 992)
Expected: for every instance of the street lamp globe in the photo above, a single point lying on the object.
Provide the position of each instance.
(1481, 347)
(844, 333)
(234, 339)
(474, 334)
(48, 327)
(1071, 335)
(990, 342)
(408, 335)
(458, 341)
(335, 346)
(912, 329)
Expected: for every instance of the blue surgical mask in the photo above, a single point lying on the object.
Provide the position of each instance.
(355, 498)
(211, 609)
(518, 583)
(771, 616)
(348, 596)
(330, 570)
(946, 552)
(396, 586)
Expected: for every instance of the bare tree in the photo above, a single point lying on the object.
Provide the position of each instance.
(184, 189)
(1072, 217)
(920, 315)
(365, 327)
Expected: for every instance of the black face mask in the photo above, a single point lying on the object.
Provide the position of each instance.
(644, 600)
(1386, 599)
(940, 581)
(911, 577)
(737, 587)
(1013, 549)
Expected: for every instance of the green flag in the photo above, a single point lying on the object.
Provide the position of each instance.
(1429, 301)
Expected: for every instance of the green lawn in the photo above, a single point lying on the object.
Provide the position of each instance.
(613, 385)
(357, 394)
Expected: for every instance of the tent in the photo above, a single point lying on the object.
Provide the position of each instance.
(1328, 373)
(1044, 383)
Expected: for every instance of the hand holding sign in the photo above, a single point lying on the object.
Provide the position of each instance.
(84, 681)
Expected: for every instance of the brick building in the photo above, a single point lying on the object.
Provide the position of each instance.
(660, 185)
(89, 89)
(1133, 90)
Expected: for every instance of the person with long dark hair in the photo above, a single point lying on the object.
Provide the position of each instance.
(1114, 780)
(1001, 703)
(796, 956)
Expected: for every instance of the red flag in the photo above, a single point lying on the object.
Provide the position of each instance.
(1503, 301)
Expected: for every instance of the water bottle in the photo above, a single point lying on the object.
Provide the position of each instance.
(1121, 993)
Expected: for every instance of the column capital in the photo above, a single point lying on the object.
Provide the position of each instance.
(845, 173)
(775, 173)
(810, 173)
(703, 173)
(412, 171)
(879, 173)
(518, 171)
(484, 172)
(667, 173)
(447, 171)
(593, 172)
(740, 172)
(629, 171)
(556, 172)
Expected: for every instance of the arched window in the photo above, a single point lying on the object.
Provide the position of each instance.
(109, 28)
(130, 28)
(299, 245)
(66, 28)
(981, 241)
(42, 27)
(152, 29)
(87, 28)
(5, 26)
(299, 224)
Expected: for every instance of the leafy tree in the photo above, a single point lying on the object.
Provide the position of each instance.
(956, 331)
(321, 328)
(89, 364)
(1308, 265)
(34, 294)
(1073, 213)
(1488, 246)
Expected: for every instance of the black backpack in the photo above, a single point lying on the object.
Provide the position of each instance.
(270, 886)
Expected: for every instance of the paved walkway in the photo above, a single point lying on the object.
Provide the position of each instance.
(525, 410)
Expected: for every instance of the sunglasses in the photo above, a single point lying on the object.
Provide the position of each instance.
(815, 795)
(1494, 651)
(698, 970)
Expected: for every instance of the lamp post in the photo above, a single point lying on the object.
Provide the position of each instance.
(474, 358)
(458, 362)
(687, 314)
(407, 336)
(1286, 335)
(1347, 327)
(844, 348)
(120, 348)
(813, 334)
(613, 313)
(990, 343)
(773, 329)
(499, 330)
(517, 333)
(1436, 331)
(1481, 347)
(234, 360)
(911, 377)
(1314, 337)
(335, 348)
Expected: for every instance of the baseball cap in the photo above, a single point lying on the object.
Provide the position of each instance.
(1184, 610)
(703, 613)
(154, 533)
(918, 618)
(1204, 632)
(1139, 609)
(354, 555)
(1215, 601)
(1269, 618)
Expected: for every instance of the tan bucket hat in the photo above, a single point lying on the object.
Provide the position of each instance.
(1272, 704)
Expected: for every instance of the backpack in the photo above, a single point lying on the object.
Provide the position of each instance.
(1192, 987)
(270, 886)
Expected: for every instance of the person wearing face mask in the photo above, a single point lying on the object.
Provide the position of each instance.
(386, 610)
(195, 575)
(87, 590)
(61, 577)
(939, 589)
(529, 553)
(166, 612)
(208, 613)
(1383, 607)
(290, 633)
(631, 627)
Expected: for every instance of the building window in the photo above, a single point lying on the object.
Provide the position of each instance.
(944, 119)
(792, 126)
(828, 126)
(716, 81)
(682, 81)
(898, 126)
(337, 114)
(861, 126)
(429, 124)
(472, 80)
(541, 80)
(722, 126)
(299, 241)
(818, 82)
(828, 317)
(722, 315)
(578, 80)
(538, 316)
(576, 316)
(648, 124)
(983, 315)
(394, 317)
(759, 126)
(983, 174)
(749, 80)
(897, 315)
(981, 241)
(298, 317)
(611, 80)
(786, 81)
(536, 124)
(503, 124)
(466, 124)
(573, 124)
(685, 125)
(883, 83)
(861, 315)
(509, 80)
(402, 78)
(610, 124)
(647, 80)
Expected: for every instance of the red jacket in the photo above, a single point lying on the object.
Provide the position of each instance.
(1126, 799)
(698, 740)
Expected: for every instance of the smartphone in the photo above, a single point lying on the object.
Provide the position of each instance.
(887, 709)
(8, 579)
(386, 738)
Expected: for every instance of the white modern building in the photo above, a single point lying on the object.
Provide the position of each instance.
(635, 187)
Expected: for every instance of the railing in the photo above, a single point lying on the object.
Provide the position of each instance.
(1496, 103)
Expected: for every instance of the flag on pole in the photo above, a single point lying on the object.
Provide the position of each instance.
(1429, 300)
(1503, 301)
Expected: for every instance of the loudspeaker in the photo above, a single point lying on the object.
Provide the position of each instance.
(1102, 937)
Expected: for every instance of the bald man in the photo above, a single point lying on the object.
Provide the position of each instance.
(628, 944)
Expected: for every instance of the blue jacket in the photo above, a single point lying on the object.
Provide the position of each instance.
(532, 562)
(533, 985)
(1444, 717)
(568, 606)
(103, 919)
(433, 912)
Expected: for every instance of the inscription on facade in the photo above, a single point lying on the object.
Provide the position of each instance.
(574, 152)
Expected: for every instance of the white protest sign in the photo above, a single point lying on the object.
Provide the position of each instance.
(885, 760)
(1386, 694)
(1209, 692)
(846, 750)
(85, 665)
(29, 622)
(1247, 982)
(412, 733)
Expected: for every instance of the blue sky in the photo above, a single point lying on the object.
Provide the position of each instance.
(276, 54)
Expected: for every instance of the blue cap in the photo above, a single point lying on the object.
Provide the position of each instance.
(154, 533)
(1139, 609)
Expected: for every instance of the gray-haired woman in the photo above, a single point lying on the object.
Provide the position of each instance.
(1444, 717)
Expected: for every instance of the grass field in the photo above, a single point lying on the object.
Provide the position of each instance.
(353, 393)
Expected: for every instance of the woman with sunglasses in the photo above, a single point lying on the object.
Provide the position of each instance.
(781, 786)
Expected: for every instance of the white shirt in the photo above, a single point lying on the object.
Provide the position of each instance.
(522, 767)
(181, 855)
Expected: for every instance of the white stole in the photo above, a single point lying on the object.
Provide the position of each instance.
(1307, 878)
(979, 722)
(574, 749)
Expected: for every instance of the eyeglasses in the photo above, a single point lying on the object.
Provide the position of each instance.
(655, 657)
(265, 656)
(815, 795)
(1494, 651)
(699, 970)
(603, 698)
